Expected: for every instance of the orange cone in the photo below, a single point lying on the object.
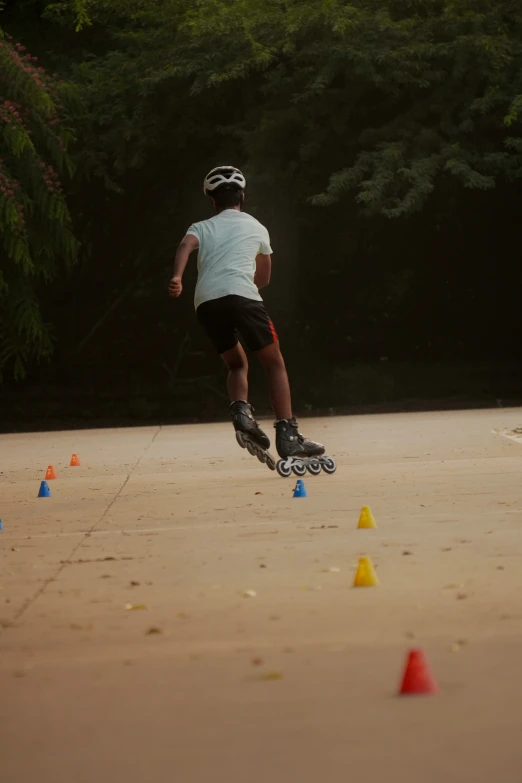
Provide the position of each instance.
(75, 461)
(50, 473)
(417, 678)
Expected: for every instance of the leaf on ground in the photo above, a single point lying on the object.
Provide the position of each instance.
(268, 676)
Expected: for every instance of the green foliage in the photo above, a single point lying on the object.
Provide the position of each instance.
(36, 238)
(444, 113)
(378, 100)
(394, 96)
(380, 107)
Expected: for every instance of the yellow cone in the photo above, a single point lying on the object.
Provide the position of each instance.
(365, 575)
(366, 518)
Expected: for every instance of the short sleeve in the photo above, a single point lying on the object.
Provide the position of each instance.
(194, 230)
(264, 245)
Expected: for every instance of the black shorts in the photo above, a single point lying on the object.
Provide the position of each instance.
(223, 318)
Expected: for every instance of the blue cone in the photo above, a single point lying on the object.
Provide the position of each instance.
(300, 489)
(44, 492)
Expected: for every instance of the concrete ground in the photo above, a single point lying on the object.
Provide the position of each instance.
(171, 613)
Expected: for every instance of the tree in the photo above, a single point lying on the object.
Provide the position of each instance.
(381, 101)
(403, 109)
(36, 236)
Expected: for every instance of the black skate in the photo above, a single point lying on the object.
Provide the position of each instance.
(249, 434)
(298, 454)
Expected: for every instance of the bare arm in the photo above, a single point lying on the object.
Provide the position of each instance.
(263, 270)
(185, 248)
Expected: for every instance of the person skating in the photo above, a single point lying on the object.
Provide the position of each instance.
(234, 264)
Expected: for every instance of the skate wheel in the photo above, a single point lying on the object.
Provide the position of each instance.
(314, 467)
(299, 470)
(241, 439)
(329, 465)
(270, 461)
(283, 469)
(251, 448)
(260, 454)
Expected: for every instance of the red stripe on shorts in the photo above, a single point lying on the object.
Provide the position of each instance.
(273, 331)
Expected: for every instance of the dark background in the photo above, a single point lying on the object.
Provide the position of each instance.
(373, 312)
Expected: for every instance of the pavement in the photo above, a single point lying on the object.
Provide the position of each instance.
(172, 613)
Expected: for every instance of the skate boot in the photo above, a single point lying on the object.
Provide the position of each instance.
(249, 434)
(299, 454)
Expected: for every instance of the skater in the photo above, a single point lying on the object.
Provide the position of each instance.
(234, 263)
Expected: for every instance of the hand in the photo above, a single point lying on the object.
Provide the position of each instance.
(175, 287)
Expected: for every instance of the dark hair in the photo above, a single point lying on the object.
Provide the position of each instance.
(226, 197)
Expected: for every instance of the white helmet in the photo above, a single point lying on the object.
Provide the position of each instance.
(223, 175)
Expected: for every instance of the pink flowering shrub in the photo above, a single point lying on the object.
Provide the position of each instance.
(36, 237)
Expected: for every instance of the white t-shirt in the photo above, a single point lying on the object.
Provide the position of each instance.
(228, 246)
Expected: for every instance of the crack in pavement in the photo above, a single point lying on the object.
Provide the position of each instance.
(41, 590)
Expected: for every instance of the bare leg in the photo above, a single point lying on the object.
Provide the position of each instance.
(237, 381)
(278, 385)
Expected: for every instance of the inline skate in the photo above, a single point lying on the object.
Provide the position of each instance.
(299, 454)
(249, 434)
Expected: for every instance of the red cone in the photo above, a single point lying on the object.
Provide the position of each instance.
(417, 678)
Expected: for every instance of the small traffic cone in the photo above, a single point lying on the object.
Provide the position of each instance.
(417, 677)
(300, 489)
(365, 575)
(75, 461)
(366, 518)
(44, 492)
(50, 473)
